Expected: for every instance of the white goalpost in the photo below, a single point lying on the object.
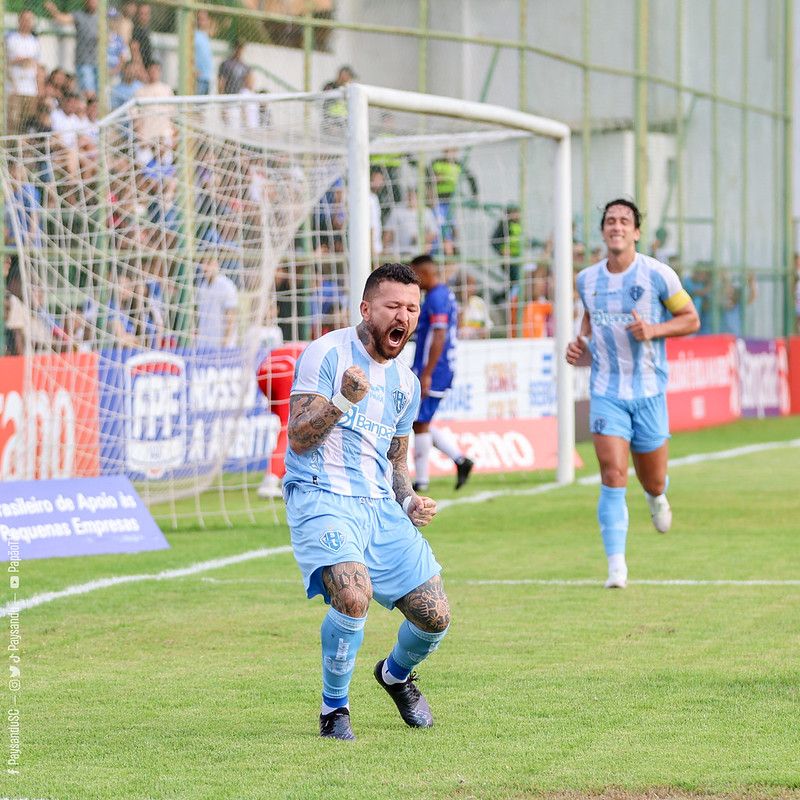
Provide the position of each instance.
(160, 254)
(359, 99)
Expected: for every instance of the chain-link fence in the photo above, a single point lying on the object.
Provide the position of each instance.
(684, 106)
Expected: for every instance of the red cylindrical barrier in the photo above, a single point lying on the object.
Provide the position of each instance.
(275, 376)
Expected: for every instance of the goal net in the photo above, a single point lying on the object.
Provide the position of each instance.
(157, 256)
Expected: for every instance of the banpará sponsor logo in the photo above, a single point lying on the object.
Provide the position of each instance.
(355, 420)
(602, 318)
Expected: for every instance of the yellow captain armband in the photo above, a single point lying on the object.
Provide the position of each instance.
(677, 301)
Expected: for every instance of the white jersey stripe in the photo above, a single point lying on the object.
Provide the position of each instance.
(623, 368)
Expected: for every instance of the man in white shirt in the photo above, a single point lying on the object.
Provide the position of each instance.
(404, 235)
(216, 307)
(23, 55)
(153, 122)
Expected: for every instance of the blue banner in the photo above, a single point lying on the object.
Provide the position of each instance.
(74, 517)
(179, 413)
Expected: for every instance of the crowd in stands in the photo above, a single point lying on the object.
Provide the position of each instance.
(56, 188)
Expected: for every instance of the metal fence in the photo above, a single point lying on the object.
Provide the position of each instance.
(683, 105)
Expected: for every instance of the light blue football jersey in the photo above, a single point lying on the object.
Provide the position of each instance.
(623, 368)
(352, 460)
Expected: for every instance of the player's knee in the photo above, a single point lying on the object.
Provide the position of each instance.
(611, 475)
(352, 600)
(434, 619)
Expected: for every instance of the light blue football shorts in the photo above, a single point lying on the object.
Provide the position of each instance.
(643, 422)
(329, 529)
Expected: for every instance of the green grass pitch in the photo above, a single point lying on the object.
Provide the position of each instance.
(206, 685)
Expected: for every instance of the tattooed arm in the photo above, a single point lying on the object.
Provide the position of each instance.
(312, 416)
(419, 509)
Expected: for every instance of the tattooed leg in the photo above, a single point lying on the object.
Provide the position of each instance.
(349, 587)
(427, 606)
(342, 629)
(427, 615)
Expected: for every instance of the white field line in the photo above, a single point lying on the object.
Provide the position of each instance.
(217, 563)
(590, 480)
(582, 582)
(166, 575)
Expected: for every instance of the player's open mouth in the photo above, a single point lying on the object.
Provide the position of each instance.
(396, 336)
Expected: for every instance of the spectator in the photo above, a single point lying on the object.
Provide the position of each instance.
(15, 311)
(127, 87)
(335, 111)
(474, 321)
(66, 122)
(698, 285)
(403, 234)
(117, 53)
(345, 75)
(23, 56)
(376, 184)
(733, 299)
(128, 318)
(245, 115)
(328, 305)
(127, 19)
(153, 122)
(53, 90)
(203, 57)
(141, 46)
(216, 307)
(86, 57)
(232, 71)
(330, 216)
(23, 203)
(507, 241)
(536, 317)
(445, 175)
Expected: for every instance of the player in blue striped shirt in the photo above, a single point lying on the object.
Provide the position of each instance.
(632, 303)
(351, 508)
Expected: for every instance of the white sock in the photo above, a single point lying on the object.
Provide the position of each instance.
(445, 441)
(388, 677)
(616, 561)
(326, 709)
(422, 450)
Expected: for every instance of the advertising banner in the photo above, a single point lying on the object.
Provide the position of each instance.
(74, 517)
(51, 428)
(505, 445)
(703, 385)
(169, 414)
(497, 379)
(794, 373)
(764, 377)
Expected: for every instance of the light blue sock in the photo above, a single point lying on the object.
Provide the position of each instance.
(341, 637)
(612, 514)
(413, 646)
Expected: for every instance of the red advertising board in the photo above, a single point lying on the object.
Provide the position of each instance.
(794, 373)
(502, 445)
(49, 426)
(703, 385)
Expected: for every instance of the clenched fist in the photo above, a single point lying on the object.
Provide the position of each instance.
(355, 384)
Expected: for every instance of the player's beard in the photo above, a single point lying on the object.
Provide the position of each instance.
(384, 343)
